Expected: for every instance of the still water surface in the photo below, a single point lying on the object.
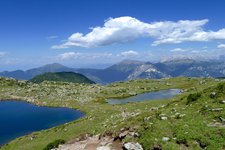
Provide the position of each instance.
(157, 95)
(20, 118)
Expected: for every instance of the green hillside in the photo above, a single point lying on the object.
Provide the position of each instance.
(194, 119)
(61, 76)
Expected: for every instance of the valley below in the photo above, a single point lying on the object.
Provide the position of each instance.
(192, 119)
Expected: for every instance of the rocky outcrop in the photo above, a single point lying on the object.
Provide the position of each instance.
(104, 142)
(92, 143)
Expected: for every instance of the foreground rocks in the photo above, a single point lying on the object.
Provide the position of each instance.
(132, 146)
(105, 142)
(92, 143)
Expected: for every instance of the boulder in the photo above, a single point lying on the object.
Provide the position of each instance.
(132, 146)
(123, 134)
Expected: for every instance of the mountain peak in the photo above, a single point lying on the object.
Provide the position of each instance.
(55, 65)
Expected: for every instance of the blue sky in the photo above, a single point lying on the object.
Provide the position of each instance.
(86, 33)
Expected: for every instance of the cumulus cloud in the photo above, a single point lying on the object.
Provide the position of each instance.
(125, 29)
(68, 55)
(129, 53)
(221, 46)
(87, 56)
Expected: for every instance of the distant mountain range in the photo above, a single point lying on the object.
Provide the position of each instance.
(61, 76)
(130, 69)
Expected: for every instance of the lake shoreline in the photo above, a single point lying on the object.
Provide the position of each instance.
(147, 96)
(11, 106)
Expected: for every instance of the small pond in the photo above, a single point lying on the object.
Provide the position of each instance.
(20, 118)
(157, 95)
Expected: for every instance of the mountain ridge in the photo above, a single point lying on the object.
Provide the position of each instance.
(132, 69)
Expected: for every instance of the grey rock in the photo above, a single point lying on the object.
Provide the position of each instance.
(123, 134)
(217, 109)
(104, 148)
(132, 146)
(165, 139)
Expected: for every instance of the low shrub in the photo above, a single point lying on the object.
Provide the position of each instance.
(221, 88)
(54, 144)
(193, 97)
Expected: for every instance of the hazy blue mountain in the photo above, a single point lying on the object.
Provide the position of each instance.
(55, 67)
(116, 72)
(17, 74)
(26, 75)
(130, 69)
(206, 69)
(222, 57)
(175, 67)
(193, 68)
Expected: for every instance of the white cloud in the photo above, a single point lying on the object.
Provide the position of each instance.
(83, 56)
(125, 29)
(129, 53)
(178, 50)
(193, 33)
(2, 54)
(68, 55)
(221, 46)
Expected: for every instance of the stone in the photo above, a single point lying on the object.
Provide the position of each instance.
(153, 108)
(217, 109)
(174, 109)
(32, 137)
(146, 119)
(163, 118)
(216, 124)
(165, 139)
(178, 115)
(123, 134)
(222, 119)
(132, 146)
(103, 148)
(168, 84)
(134, 134)
(163, 106)
(213, 95)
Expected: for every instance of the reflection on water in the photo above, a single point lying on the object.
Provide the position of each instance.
(158, 95)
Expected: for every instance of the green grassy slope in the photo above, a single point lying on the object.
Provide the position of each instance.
(61, 76)
(191, 123)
